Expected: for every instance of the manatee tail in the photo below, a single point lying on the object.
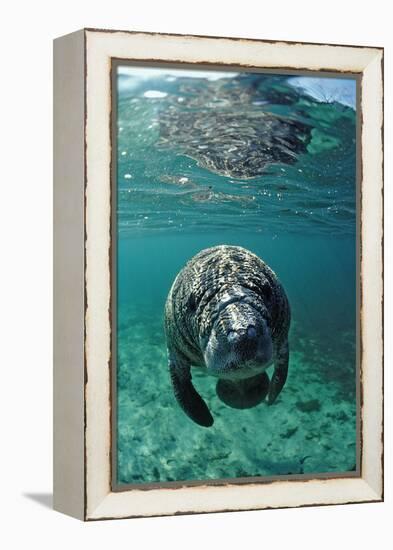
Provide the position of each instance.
(187, 396)
(243, 394)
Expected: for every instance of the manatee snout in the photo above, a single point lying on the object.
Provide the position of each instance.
(243, 343)
(247, 342)
(243, 337)
(239, 346)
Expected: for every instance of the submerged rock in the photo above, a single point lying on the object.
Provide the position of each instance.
(289, 432)
(312, 405)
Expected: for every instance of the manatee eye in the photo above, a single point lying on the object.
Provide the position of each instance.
(251, 331)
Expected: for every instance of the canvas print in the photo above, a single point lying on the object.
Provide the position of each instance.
(235, 224)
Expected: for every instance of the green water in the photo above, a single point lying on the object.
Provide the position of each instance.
(300, 218)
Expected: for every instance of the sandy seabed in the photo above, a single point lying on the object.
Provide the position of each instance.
(310, 429)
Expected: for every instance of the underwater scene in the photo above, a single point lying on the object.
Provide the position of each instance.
(261, 161)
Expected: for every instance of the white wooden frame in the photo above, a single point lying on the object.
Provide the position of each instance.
(82, 333)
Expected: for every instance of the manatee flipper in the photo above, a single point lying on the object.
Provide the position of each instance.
(280, 371)
(243, 394)
(187, 396)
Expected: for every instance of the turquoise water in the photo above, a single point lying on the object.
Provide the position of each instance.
(294, 206)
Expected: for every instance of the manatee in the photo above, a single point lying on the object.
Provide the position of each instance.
(227, 314)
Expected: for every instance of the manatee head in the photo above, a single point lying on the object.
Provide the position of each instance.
(238, 344)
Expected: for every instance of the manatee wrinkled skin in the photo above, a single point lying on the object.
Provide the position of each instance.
(228, 314)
